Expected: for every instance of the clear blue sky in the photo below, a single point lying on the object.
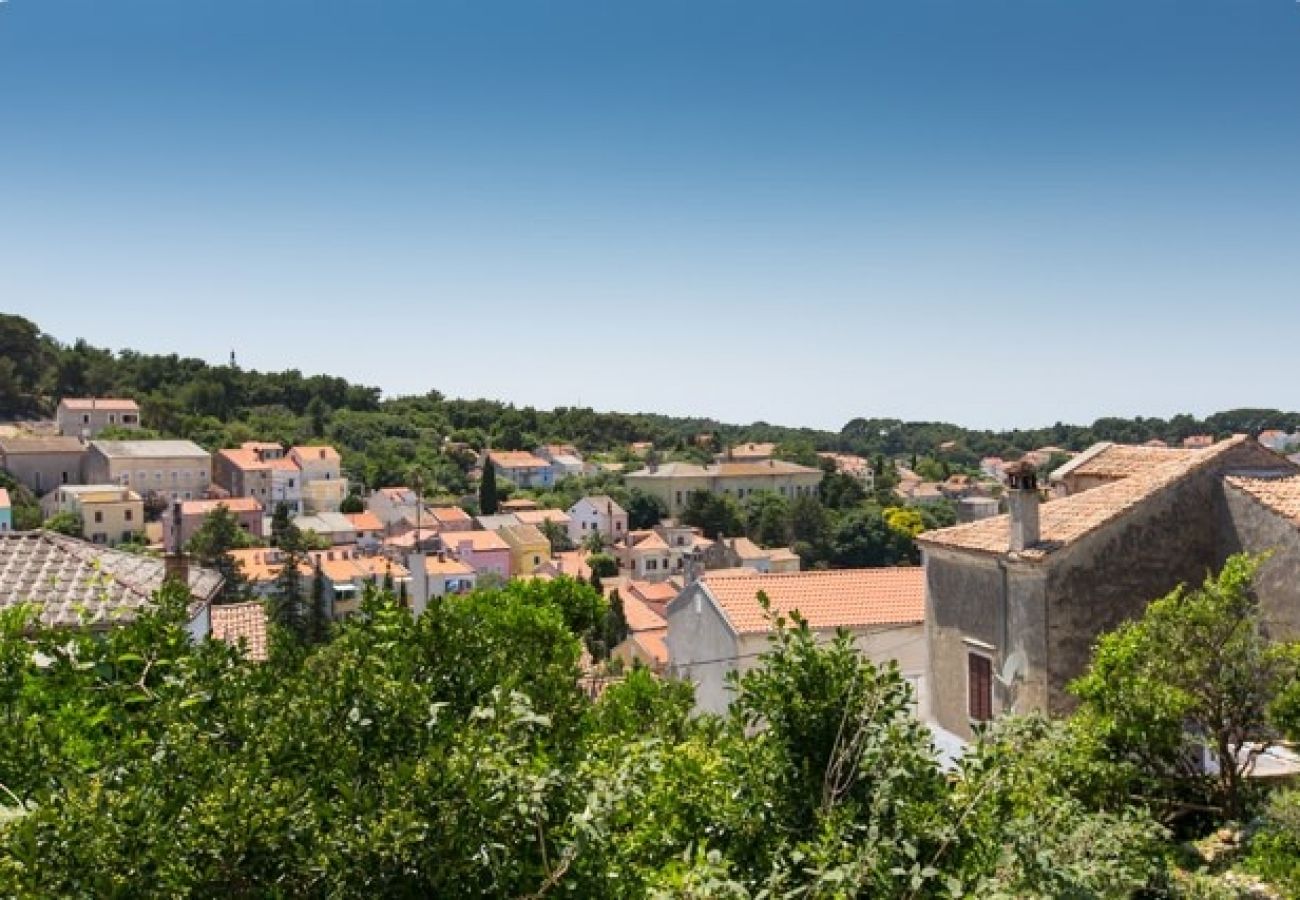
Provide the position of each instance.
(998, 213)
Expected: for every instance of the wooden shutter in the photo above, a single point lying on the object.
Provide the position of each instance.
(980, 682)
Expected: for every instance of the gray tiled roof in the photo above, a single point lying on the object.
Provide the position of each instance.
(80, 584)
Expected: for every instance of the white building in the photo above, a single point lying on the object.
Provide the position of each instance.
(597, 515)
(716, 626)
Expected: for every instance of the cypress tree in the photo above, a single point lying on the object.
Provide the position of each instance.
(487, 490)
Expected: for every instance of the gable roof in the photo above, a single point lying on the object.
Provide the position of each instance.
(1069, 519)
(89, 404)
(538, 516)
(523, 536)
(364, 521)
(1109, 460)
(837, 598)
(242, 622)
(516, 459)
(601, 502)
(78, 584)
(1281, 495)
(479, 541)
(448, 514)
(234, 504)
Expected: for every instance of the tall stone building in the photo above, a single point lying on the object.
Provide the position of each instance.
(1015, 603)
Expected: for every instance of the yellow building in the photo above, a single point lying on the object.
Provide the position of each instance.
(673, 483)
(529, 548)
(110, 514)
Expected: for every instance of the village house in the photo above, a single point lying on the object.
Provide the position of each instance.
(442, 575)
(110, 514)
(345, 575)
(521, 468)
(393, 504)
(1015, 603)
(486, 552)
(597, 515)
(529, 548)
(87, 417)
(334, 527)
(742, 553)
(247, 511)
(369, 530)
(646, 643)
(565, 460)
(262, 471)
(858, 467)
(323, 485)
(716, 625)
(6, 512)
(42, 464)
(74, 584)
(673, 483)
(177, 470)
(451, 518)
(539, 517)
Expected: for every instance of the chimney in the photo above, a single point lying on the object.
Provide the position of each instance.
(175, 566)
(415, 563)
(1022, 503)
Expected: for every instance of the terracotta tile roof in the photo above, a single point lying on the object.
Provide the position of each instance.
(243, 458)
(365, 521)
(516, 459)
(245, 623)
(78, 584)
(1069, 519)
(746, 548)
(315, 452)
(652, 591)
(408, 539)
(479, 541)
(398, 495)
(648, 540)
(448, 514)
(653, 643)
(538, 516)
(260, 564)
(88, 404)
(234, 504)
(1282, 495)
(435, 565)
(523, 536)
(1198, 441)
(841, 598)
(1107, 460)
(519, 505)
(639, 615)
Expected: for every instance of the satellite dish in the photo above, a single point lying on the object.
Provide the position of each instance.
(1013, 668)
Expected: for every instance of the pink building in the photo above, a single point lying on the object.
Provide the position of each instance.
(192, 513)
(485, 551)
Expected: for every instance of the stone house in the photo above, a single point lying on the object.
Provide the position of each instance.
(673, 483)
(177, 470)
(86, 417)
(1015, 603)
(42, 464)
(110, 514)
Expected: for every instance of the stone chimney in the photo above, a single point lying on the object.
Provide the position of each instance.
(1022, 504)
(175, 566)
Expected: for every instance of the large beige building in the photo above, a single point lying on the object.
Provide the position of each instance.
(43, 463)
(178, 470)
(110, 514)
(673, 483)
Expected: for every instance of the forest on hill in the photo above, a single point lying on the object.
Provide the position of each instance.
(382, 437)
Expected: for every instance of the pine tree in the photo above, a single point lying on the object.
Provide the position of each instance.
(280, 523)
(487, 490)
(614, 627)
(211, 545)
(314, 617)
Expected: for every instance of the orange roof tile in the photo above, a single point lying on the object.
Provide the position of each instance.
(1282, 495)
(639, 615)
(516, 459)
(653, 642)
(234, 504)
(323, 451)
(1107, 460)
(1069, 519)
(435, 565)
(447, 514)
(839, 598)
(86, 404)
(479, 541)
(538, 516)
(245, 623)
(365, 521)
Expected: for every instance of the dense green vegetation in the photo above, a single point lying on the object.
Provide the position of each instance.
(458, 755)
(383, 439)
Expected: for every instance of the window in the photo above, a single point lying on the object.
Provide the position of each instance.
(85, 418)
(979, 682)
(126, 536)
(126, 515)
(99, 516)
(651, 565)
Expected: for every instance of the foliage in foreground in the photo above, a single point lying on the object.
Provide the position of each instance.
(455, 755)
